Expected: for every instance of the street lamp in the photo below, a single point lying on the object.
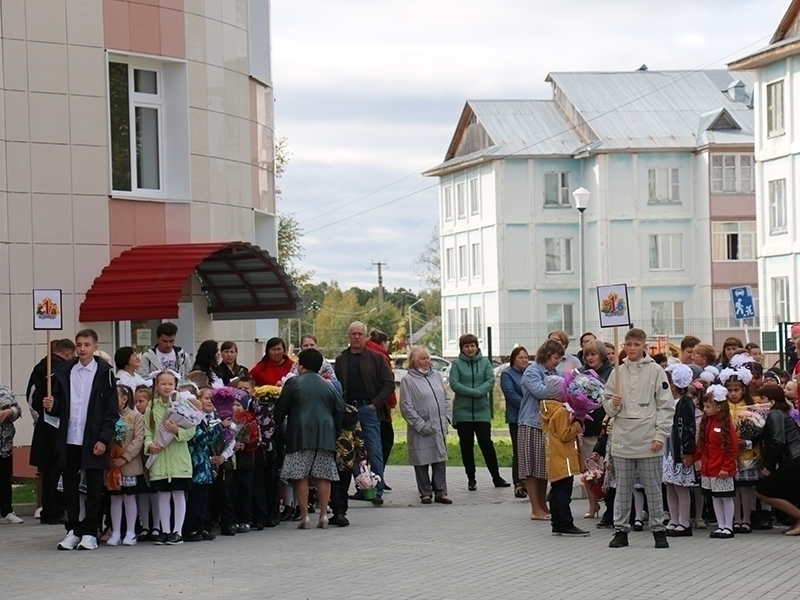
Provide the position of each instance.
(410, 326)
(581, 196)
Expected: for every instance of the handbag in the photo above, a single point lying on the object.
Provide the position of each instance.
(594, 477)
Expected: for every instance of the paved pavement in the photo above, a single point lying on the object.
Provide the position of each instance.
(483, 546)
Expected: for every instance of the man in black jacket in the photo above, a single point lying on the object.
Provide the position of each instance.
(367, 382)
(44, 452)
(85, 399)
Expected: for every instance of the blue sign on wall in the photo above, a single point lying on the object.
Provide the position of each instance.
(743, 305)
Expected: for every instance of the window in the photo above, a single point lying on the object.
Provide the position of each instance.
(558, 255)
(734, 240)
(460, 201)
(136, 109)
(732, 173)
(667, 318)
(559, 316)
(723, 311)
(477, 320)
(449, 264)
(463, 265)
(666, 253)
(775, 108)
(474, 198)
(464, 320)
(777, 206)
(663, 185)
(476, 260)
(452, 326)
(780, 298)
(447, 194)
(556, 189)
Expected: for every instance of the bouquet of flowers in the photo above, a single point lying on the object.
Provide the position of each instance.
(245, 429)
(367, 481)
(749, 424)
(594, 477)
(267, 393)
(263, 407)
(180, 411)
(583, 393)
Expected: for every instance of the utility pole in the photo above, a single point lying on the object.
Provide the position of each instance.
(380, 265)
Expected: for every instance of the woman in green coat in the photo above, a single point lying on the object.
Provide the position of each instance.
(471, 379)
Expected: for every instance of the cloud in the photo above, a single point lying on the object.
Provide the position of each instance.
(369, 94)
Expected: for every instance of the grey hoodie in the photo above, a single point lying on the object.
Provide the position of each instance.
(646, 412)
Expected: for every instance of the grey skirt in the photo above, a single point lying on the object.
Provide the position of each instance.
(320, 464)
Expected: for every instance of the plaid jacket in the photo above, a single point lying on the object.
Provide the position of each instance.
(7, 429)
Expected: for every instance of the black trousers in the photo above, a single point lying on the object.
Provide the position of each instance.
(560, 498)
(512, 429)
(52, 499)
(467, 432)
(94, 494)
(387, 441)
(266, 497)
(243, 496)
(339, 492)
(197, 509)
(221, 504)
(6, 469)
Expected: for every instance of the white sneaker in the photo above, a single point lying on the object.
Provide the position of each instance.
(11, 519)
(114, 540)
(130, 539)
(70, 541)
(88, 542)
(38, 513)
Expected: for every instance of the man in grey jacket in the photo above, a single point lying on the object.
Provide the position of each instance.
(165, 354)
(642, 407)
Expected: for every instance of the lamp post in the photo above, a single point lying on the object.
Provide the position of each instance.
(410, 326)
(581, 196)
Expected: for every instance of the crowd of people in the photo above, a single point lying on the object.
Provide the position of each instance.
(148, 447)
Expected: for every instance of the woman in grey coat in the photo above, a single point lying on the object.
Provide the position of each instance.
(423, 403)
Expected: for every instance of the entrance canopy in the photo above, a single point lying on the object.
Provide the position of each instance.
(240, 281)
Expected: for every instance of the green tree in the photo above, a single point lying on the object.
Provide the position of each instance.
(337, 311)
(387, 320)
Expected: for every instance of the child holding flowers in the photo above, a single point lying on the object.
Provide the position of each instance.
(171, 474)
(125, 478)
(717, 449)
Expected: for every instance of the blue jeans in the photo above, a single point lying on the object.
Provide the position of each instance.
(371, 429)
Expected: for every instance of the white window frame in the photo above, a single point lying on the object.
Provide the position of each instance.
(721, 244)
(666, 245)
(463, 262)
(476, 256)
(452, 325)
(728, 174)
(474, 197)
(477, 320)
(561, 251)
(140, 100)
(668, 317)
(723, 310)
(778, 218)
(449, 264)
(780, 298)
(447, 200)
(775, 104)
(563, 189)
(461, 202)
(464, 320)
(667, 178)
(566, 320)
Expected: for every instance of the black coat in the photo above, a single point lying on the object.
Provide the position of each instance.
(684, 429)
(781, 439)
(101, 415)
(43, 434)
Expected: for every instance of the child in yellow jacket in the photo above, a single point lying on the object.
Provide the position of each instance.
(563, 463)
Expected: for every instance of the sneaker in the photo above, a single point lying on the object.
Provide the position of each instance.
(195, 537)
(699, 524)
(129, 539)
(161, 539)
(11, 519)
(243, 528)
(555, 532)
(70, 541)
(660, 538)
(114, 539)
(575, 532)
(37, 514)
(88, 542)
(377, 501)
(208, 536)
(174, 539)
(620, 540)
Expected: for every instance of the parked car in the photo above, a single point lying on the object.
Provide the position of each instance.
(400, 363)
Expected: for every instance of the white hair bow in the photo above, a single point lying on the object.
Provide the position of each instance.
(743, 374)
(718, 392)
(154, 374)
(740, 360)
(682, 375)
(709, 374)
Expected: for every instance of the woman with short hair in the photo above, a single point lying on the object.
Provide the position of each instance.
(423, 404)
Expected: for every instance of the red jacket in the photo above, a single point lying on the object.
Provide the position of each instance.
(712, 455)
(268, 373)
(391, 401)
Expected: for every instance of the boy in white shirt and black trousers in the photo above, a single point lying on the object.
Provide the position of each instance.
(85, 399)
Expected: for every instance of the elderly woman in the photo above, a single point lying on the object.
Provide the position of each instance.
(314, 411)
(595, 354)
(423, 404)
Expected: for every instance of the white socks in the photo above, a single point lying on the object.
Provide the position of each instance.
(724, 507)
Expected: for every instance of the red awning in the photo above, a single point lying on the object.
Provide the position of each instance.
(240, 280)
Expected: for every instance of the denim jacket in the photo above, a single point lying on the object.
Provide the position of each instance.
(535, 388)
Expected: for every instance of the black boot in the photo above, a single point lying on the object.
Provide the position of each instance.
(661, 539)
(620, 540)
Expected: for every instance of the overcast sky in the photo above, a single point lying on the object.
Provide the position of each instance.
(369, 92)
